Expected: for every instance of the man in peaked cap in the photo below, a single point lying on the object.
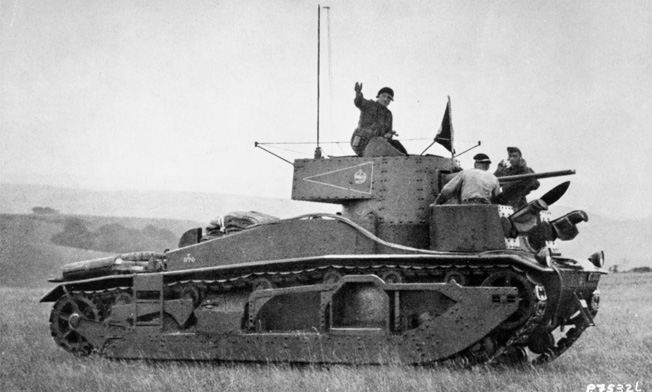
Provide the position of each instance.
(514, 192)
(375, 121)
(472, 186)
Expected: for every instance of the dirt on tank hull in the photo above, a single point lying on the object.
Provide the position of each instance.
(391, 278)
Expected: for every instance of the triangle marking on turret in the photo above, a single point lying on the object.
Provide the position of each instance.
(357, 178)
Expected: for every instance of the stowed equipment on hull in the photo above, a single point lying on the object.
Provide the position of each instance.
(391, 278)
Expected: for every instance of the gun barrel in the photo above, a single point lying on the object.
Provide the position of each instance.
(529, 176)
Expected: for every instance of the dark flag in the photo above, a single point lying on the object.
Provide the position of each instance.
(445, 133)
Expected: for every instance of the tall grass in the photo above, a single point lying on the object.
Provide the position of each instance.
(617, 351)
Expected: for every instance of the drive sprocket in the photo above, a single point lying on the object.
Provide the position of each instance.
(64, 335)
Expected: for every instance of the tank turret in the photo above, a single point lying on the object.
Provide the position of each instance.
(389, 196)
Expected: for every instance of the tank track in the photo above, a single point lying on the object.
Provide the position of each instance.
(508, 345)
(562, 344)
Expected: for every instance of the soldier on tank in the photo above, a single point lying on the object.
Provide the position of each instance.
(514, 193)
(472, 186)
(375, 121)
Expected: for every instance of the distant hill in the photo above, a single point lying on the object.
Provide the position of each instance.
(112, 237)
(28, 257)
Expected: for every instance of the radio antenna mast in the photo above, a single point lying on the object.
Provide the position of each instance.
(318, 149)
(330, 69)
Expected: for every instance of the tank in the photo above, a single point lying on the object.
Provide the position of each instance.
(392, 278)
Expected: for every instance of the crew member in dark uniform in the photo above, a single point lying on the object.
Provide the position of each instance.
(514, 192)
(375, 120)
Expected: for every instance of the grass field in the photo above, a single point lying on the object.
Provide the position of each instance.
(617, 351)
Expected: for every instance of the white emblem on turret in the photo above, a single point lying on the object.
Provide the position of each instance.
(360, 177)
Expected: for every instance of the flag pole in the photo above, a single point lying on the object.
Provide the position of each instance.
(449, 109)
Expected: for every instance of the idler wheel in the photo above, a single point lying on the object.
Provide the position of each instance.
(526, 295)
(66, 314)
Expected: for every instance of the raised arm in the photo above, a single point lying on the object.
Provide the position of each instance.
(359, 98)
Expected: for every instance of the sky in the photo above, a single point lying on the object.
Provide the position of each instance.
(172, 95)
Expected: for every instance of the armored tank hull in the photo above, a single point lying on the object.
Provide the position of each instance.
(390, 279)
